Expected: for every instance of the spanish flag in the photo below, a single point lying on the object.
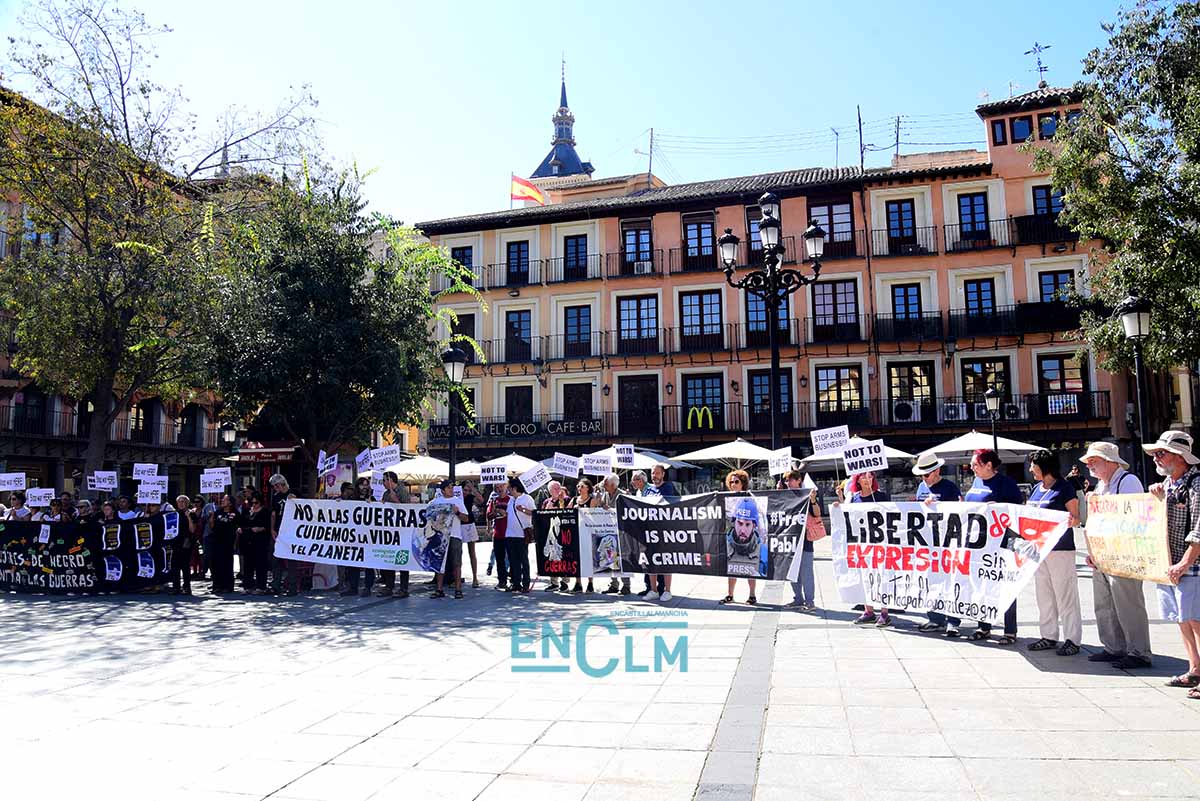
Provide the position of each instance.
(525, 190)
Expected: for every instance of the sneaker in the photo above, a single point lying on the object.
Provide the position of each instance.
(502, 587)
(1131, 662)
(642, 594)
(651, 596)
(1105, 656)
(666, 596)
(808, 606)
(864, 619)
(883, 622)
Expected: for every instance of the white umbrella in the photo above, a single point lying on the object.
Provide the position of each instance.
(833, 461)
(467, 469)
(420, 469)
(959, 449)
(734, 455)
(643, 459)
(515, 463)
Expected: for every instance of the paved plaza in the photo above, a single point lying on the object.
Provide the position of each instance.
(338, 699)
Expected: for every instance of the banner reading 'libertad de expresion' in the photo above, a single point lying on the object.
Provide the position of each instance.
(383, 536)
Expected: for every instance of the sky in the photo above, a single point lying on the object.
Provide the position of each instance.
(443, 100)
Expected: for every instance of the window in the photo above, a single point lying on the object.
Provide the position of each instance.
(760, 399)
(839, 388)
(837, 220)
(754, 251)
(465, 326)
(635, 253)
(637, 324)
(1073, 115)
(29, 412)
(575, 253)
(698, 253)
(518, 263)
(906, 301)
(980, 295)
(1055, 285)
(577, 323)
(835, 311)
(1022, 129)
(700, 317)
(703, 401)
(1046, 200)
(999, 133)
(979, 375)
(901, 217)
(910, 388)
(1047, 125)
(757, 333)
(462, 255)
(518, 335)
(577, 401)
(973, 215)
(1062, 379)
(518, 404)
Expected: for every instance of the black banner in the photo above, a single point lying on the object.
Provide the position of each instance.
(557, 533)
(86, 557)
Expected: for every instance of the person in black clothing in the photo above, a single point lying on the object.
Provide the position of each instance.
(254, 533)
(224, 535)
(284, 581)
(181, 550)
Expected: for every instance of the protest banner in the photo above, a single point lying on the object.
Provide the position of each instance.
(37, 497)
(557, 538)
(624, 457)
(830, 440)
(867, 457)
(362, 462)
(780, 461)
(224, 473)
(385, 458)
(364, 534)
(326, 464)
(153, 483)
(599, 543)
(566, 465)
(1127, 536)
(493, 473)
(595, 464)
(535, 477)
(143, 470)
(106, 480)
(212, 483)
(11, 482)
(149, 495)
(965, 560)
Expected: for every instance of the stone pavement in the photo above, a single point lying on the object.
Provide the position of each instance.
(331, 699)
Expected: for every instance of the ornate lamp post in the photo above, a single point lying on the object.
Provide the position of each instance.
(455, 363)
(1135, 319)
(992, 399)
(772, 283)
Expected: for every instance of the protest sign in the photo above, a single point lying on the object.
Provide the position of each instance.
(624, 457)
(106, 480)
(36, 497)
(211, 483)
(326, 464)
(362, 534)
(149, 495)
(566, 465)
(153, 482)
(868, 456)
(830, 440)
(965, 560)
(1127, 536)
(535, 477)
(493, 473)
(377, 488)
(595, 464)
(780, 461)
(599, 543)
(11, 482)
(91, 484)
(557, 538)
(142, 470)
(362, 462)
(225, 473)
(385, 458)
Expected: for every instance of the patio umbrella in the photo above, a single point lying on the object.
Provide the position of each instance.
(735, 455)
(420, 469)
(644, 459)
(959, 449)
(832, 462)
(515, 463)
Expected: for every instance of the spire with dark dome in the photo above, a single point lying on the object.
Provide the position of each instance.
(562, 158)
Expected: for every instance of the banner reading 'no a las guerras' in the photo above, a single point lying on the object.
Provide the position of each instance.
(384, 536)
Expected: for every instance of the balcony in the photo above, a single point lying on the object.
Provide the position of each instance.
(923, 327)
(1041, 229)
(751, 253)
(702, 259)
(1043, 407)
(845, 245)
(824, 329)
(441, 283)
(22, 421)
(1046, 316)
(715, 418)
(912, 242)
(574, 346)
(514, 273)
(638, 342)
(701, 338)
(511, 349)
(979, 236)
(632, 264)
(757, 335)
(999, 321)
(544, 426)
(586, 268)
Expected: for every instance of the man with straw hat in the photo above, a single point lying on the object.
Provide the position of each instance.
(934, 488)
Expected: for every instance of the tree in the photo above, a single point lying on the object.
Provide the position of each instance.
(1130, 170)
(325, 321)
(119, 194)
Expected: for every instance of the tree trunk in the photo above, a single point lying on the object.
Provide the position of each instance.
(102, 404)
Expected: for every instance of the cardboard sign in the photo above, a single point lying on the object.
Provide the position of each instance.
(150, 495)
(39, 497)
(212, 482)
(153, 483)
(385, 457)
(535, 477)
(377, 488)
(624, 460)
(106, 480)
(780, 461)
(869, 456)
(10, 482)
(597, 464)
(1127, 536)
(493, 473)
(91, 484)
(830, 440)
(566, 465)
(142, 470)
(326, 464)
(362, 462)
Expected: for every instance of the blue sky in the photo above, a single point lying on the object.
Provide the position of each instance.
(443, 100)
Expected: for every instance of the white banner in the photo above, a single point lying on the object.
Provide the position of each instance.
(493, 473)
(10, 482)
(535, 477)
(566, 465)
(142, 470)
(212, 482)
(385, 457)
(158, 483)
(599, 543)
(597, 464)
(148, 495)
(964, 560)
(377, 488)
(780, 461)
(624, 460)
(384, 536)
(362, 462)
(830, 440)
(37, 497)
(226, 473)
(91, 484)
(106, 480)
(869, 456)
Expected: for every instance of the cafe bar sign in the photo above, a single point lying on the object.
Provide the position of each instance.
(500, 429)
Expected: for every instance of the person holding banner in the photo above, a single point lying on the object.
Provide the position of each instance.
(607, 497)
(18, 510)
(934, 488)
(584, 499)
(804, 595)
(739, 481)
(126, 510)
(557, 500)
(992, 486)
(393, 492)
(181, 550)
(497, 515)
(224, 540)
(453, 567)
(1055, 582)
(53, 513)
(864, 488)
(1180, 602)
(517, 531)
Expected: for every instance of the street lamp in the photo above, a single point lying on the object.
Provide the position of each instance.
(1135, 319)
(992, 399)
(455, 363)
(773, 284)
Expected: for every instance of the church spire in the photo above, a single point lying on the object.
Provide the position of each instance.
(562, 97)
(562, 158)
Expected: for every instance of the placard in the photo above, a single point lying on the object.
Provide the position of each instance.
(780, 461)
(11, 482)
(143, 470)
(362, 462)
(830, 440)
(1127, 536)
(212, 483)
(106, 480)
(867, 456)
(91, 484)
(597, 464)
(149, 495)
(361, 534)
(624, 457)
(385, 457)
(38, 497)
(493, 473)
(556, 542)
(225, 473)
(566, 465)
(535, 477)
(153, 482)
(326, 464)
(377, 488)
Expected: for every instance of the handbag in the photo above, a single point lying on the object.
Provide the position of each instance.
(815, 528)
(529, 535)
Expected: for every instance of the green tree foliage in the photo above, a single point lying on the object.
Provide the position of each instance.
(1130, 169)
(326, 324)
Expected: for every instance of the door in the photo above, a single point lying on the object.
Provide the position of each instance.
(637, 399)
(902, 227)
(517, 264)
(518, 336)
(575, 257)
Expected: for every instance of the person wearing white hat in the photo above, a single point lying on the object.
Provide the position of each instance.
(1120, 602)
(934, 488)
(1180, 602)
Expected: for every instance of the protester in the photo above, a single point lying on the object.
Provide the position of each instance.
(658, 477)
(1055, 581)
(864, 488)
(497, 515)
(254, 537)
(1180, 602)
(470, 535)
(108, 512)
(584, 499)
(18, 510)
(804, 591)
(52, 514)
(557, 500)
(1120, 602)
(519, 526)
(643, 489)
(934, 488)
(67, 503)
(992, 486)
(737, 481)
(125, 510)
(607, 495)
(84, 512)
(394, 492)
(352, 574)
(225, 523)
(206, 515)
(197, 511)
(283, 572)
(459, 518)
(181, 550)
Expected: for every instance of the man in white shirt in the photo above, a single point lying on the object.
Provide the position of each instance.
(1120, 602)
(520, 517)
(446, 498)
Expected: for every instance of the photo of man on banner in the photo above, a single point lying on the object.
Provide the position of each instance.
(746, 550)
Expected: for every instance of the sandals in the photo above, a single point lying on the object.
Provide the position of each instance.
(1194, 694)
(458, 594)
(438, 594)
(930, 626)
(1068, 648)
(1188, 680)
(728, 599)
(1043, 644)
(752, 600)
(980, 634)
(1007, 639)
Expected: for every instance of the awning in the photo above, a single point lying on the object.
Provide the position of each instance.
(266, 452)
